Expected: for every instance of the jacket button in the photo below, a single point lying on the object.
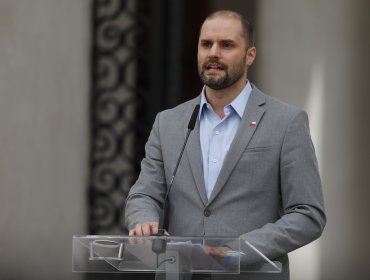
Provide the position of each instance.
(207, 212)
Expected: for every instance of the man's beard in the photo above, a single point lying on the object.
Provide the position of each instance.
(217, 83)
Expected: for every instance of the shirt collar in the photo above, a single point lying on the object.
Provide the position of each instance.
(238, 104)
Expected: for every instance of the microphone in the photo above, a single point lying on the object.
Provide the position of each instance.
(159, 245)
(192, 122)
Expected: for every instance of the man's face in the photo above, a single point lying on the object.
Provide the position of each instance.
(222, 55)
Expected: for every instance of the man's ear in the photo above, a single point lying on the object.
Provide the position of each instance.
(251, 55)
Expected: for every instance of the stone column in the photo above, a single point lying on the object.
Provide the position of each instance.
(315, 54)
(44, 78)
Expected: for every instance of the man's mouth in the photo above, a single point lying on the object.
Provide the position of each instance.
(214, 67)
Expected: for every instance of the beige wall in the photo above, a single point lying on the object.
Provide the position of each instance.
(315, 54)
(44, 56)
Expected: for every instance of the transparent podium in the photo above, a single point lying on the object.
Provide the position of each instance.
(171, 258)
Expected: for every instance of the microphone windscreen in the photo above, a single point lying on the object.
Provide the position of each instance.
(193, 118)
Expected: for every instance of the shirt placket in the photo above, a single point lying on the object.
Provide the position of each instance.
(215, 154)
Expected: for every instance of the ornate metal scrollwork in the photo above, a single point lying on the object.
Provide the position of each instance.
(116, 100)
(136, 71)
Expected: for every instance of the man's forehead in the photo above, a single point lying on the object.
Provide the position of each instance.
(223, 28)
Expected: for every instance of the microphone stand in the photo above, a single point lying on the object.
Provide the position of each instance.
(159, 243)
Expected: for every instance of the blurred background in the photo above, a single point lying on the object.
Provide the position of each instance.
(82, 80)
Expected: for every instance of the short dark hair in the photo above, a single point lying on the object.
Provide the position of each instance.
(247, 27)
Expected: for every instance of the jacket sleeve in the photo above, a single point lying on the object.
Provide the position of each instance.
(302, 218)
(145, 199)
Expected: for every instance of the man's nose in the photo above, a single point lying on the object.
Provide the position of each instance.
(214, 51)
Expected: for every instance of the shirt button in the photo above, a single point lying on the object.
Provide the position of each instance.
(207, 212)
(214, 160)
(217, 132)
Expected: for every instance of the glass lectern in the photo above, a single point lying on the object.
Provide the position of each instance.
(171, 258)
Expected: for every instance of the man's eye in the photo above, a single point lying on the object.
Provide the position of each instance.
(227, 44)
(207, 44)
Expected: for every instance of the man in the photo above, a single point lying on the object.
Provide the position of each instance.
(249, 169)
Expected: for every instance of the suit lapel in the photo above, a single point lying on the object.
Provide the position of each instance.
(194, 154)
(248, 125)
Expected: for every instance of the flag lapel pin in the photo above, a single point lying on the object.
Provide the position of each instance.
(252, 123)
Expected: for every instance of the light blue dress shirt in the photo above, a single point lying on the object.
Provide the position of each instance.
(216, 134)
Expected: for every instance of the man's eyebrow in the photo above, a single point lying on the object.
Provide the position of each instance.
(222, 40)
(228, 41)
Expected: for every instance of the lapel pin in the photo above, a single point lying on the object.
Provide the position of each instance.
(252, 123)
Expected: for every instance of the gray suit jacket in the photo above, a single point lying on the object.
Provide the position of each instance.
(268, 190)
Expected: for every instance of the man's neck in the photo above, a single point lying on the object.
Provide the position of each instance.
(220, 98)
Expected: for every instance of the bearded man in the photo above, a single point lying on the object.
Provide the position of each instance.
(249, 169)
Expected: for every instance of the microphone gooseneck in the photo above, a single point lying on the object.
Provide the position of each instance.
(191, 126)
(159, 245)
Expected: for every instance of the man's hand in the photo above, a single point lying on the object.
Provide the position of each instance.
(217, 252)
(145, 229)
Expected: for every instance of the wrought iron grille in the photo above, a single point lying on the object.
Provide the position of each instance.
(117, 99)
(136, 72)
